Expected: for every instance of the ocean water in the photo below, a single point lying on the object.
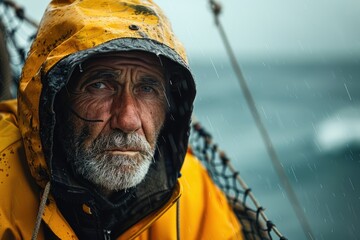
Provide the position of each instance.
(311, 109)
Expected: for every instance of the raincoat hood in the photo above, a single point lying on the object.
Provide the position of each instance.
(71, 32)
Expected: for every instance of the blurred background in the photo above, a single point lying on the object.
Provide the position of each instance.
(301, 60)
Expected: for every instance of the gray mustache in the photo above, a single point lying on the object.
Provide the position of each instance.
(122, 140)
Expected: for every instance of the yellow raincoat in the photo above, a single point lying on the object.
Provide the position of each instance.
(72, 31)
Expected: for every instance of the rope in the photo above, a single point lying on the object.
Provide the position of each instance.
(41, 211)
(216, 9)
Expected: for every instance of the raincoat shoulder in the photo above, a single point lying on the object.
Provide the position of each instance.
(204, 210)
(19, 195)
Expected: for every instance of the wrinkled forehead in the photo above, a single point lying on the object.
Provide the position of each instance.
(145, 62)
(115, 60)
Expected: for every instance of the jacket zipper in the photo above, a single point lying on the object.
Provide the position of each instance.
(107, 234)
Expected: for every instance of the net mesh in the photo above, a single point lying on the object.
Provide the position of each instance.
(250, 213)
(18, 32)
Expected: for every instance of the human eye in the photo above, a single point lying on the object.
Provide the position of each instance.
(147, 89)
(100, 81)
(101, 87)
(97, 85)
(149, 86)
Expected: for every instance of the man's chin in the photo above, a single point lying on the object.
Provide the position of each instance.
(115, 177)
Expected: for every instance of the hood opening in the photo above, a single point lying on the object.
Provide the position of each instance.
(161, 178)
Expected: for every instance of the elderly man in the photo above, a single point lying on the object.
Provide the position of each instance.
(95, 146)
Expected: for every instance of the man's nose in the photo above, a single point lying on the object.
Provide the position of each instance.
(125, 114)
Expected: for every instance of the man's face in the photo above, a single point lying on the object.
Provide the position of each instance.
(118, 107)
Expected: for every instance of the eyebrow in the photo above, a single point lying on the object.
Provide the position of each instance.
(151, 80)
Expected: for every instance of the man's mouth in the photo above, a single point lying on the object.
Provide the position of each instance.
(117, 151)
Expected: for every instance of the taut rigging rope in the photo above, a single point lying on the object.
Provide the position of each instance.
(216, 9)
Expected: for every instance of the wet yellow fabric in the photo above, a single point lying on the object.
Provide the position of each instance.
(19, 196)
(204, 211)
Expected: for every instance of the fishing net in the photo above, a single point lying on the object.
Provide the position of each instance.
(16, 35)
(250, 213)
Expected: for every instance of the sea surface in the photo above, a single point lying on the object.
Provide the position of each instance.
(311, 109)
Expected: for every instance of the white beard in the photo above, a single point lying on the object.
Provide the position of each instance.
(111, 172)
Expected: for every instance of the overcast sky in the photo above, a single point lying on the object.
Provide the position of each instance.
(295, 28)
